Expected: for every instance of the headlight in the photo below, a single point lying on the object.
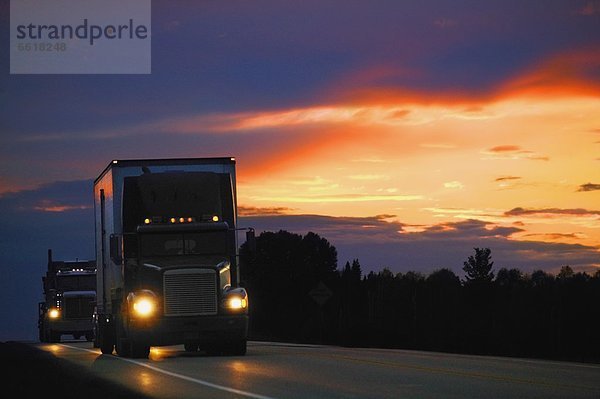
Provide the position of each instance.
(237, 303)
(235, 299)
(144, 307)
(143, 303)
(54, 313)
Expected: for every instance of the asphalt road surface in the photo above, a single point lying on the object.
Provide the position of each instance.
(273, 370)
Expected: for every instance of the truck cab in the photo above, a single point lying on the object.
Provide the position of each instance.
(166, 240)
(69, 289)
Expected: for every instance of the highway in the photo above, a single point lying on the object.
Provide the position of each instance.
(275, 370)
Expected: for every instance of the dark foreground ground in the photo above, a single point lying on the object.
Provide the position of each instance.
(30, 371)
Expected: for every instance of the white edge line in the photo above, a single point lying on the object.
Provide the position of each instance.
(180, 376)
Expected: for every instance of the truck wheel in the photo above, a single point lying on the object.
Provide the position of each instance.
(106, 348)
(42, 333)
(123, 347)
(104, 340)
(89, 336)
(139, 350)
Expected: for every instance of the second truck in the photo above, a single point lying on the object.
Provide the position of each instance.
(167, 257)
(69, 297)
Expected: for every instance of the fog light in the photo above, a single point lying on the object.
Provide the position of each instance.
(54, 313)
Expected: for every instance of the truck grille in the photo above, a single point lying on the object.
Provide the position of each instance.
(190, 292)
(78, 307)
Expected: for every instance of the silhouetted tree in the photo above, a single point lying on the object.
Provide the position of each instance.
(478, 268)
(478, 305)
(565, 272)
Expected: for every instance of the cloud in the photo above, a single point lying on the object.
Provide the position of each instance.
(337, 198)
(555, 236)
(513, 152)
(505, 148)
(52, 197)
(549, 212)
(590, 8)
(505, 178)
(589, 187)
(566, 73)
(456, 185)
(266, 211)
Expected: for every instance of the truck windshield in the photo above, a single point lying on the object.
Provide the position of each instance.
(204, 243)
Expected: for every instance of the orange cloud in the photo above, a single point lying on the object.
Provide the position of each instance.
(569, 73)
(262, 211)
(573, 72)
(505, 148)
(589, 187)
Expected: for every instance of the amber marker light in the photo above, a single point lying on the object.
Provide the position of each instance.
(54, 313)
(215, 218)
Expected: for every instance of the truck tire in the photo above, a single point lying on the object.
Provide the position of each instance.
(106, 348)
(127, 347)
(139, 350)
(105, 340)
(122, 344)
(89, 336)
(42, 333)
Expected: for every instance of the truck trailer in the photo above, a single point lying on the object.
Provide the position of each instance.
(69, 289)
(167, 257)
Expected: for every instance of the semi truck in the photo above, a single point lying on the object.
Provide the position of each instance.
(69, 290)
(167, 257)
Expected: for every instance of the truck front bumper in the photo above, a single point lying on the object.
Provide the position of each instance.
(197, 329)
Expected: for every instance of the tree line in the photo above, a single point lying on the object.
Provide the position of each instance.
(298, 294)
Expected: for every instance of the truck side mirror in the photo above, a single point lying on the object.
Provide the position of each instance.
(251, 240)
(115, 249)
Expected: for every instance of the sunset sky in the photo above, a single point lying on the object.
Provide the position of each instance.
(404, 132)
